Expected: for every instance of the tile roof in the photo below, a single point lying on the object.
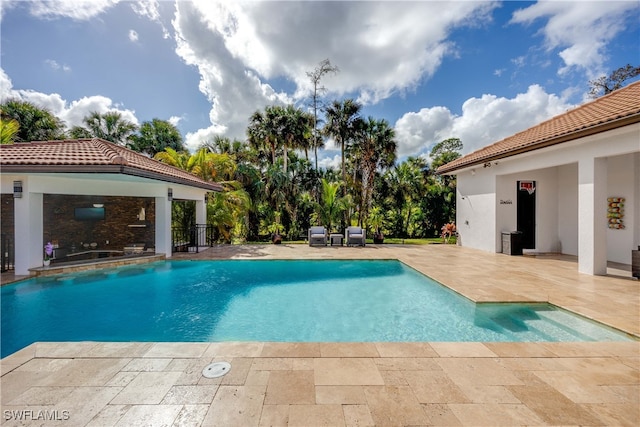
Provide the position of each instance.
(92, 156)
(617, 109)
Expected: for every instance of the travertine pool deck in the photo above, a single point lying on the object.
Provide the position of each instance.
(359, 384)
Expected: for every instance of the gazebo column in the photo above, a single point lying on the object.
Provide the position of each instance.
(201, 212)
(592, 216)
(29, 246)
(163, 226)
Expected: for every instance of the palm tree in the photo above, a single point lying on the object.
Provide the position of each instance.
(225, 209)
(109, 126)
(155, 136)
(262, 131)
(330, 206)
(8, 130)
(342, 124)
(294, 130)
(35, 123)
(374, 148)
(179, 159)
(406, 182)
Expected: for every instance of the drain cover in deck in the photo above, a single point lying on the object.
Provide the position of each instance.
(216, 370)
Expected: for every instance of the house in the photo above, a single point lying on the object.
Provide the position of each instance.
(90, 194)
(571, 185)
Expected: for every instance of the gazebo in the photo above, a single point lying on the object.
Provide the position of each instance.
(90, 196)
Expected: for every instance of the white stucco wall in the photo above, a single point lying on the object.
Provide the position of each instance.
(620, 183)
(571, 206)
(546, 206)
(475, 210)
(567, 186)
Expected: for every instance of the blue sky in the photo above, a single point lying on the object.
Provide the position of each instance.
(479, 71)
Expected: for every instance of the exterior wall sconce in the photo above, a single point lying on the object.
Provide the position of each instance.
(17, 189)
(170, 194)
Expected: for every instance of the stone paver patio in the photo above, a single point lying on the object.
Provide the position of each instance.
(355, 384)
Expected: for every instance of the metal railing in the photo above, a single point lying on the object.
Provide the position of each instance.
(191, 239)
(7, 255)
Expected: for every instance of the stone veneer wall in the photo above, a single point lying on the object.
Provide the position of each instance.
(60, 225)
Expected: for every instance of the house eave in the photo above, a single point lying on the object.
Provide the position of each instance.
(581, 133)
(108, 170)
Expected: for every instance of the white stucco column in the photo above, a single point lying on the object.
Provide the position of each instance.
(29, 245)
(592, 216)
(201, 211)
(163, 226)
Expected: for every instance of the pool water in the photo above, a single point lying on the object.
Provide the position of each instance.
(261, 300)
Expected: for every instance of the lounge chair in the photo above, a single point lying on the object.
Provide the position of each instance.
(317, 236)
(355, 236)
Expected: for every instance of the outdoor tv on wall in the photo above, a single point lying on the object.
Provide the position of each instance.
(89, 214)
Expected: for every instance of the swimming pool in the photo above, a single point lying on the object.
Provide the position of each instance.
(258, 300)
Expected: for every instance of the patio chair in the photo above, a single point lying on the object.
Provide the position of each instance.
(355, 236)
(318, 236)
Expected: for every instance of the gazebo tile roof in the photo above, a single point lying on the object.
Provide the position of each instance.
(78, 154)
(619, 108)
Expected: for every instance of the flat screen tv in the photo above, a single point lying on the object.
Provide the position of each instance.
(89, 214)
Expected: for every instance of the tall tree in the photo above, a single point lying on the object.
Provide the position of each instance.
(374, 148)
(607, 84)
(444, 152)
(156, 135)
(262, 131)
(406, 183)
(35, 123)
(315, 76)
(109, 126)
(342, 125)
(294, 129)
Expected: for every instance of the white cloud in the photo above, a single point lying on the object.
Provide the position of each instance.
(149, 9)
(6, 86)
(71, 113)
(174, 120)
(133, 36)
(330, 162)
(54, 65)
(81, 10)
(580, 29)
(193, 140)
(238, 47)
(519, 61)
(484, 120)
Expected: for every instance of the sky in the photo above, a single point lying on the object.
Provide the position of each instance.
(478, 71)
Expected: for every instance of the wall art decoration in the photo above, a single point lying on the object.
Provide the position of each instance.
(615, 212)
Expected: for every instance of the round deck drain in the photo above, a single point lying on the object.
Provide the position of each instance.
(216, 370)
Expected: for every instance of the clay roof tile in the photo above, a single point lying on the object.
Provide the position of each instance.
(619, 108)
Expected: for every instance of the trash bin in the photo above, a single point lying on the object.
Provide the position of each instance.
(512, 242)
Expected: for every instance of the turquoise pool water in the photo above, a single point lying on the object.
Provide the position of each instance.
(269, 301)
